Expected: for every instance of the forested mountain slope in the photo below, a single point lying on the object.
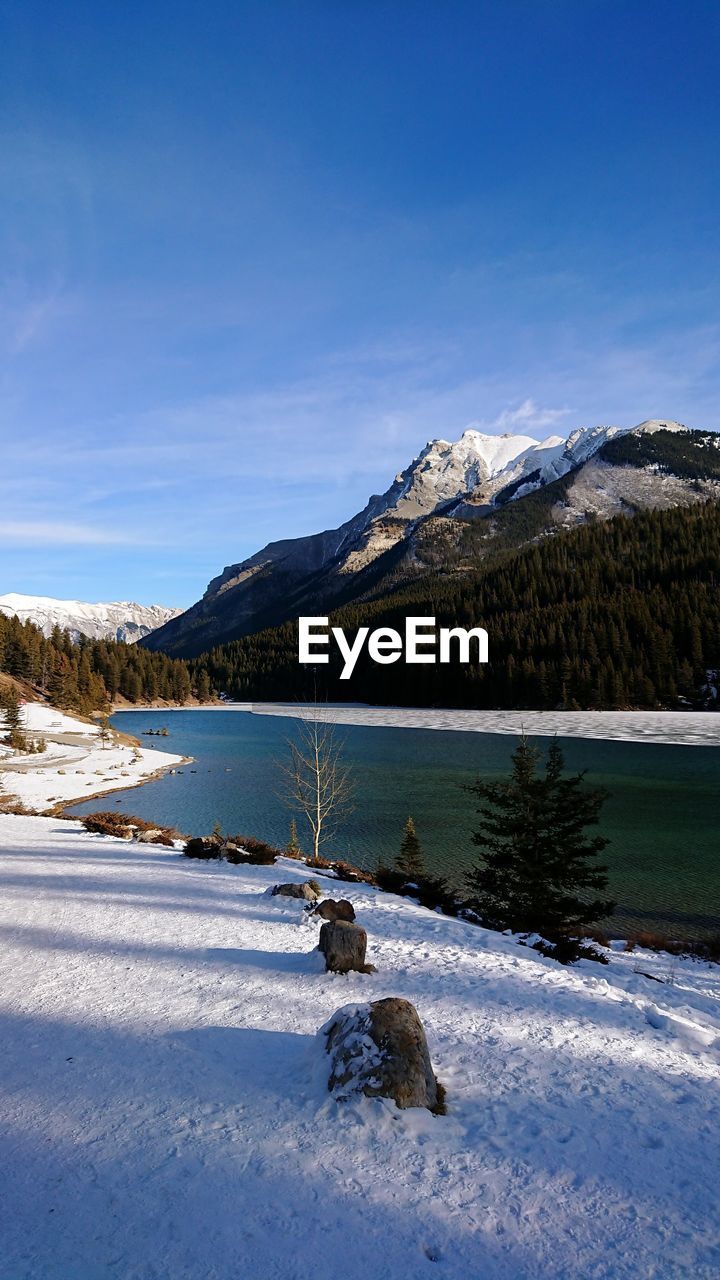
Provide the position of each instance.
(90, 674)
(623, 613)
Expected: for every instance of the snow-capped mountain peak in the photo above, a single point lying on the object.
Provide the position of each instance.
(651, 425)
(117, 620)
(446, 469)
(484, 465)
(475, 476)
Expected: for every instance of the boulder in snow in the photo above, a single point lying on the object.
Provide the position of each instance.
(152, 836)
(344, 944)
(335, 909)
(295, 890)
(380, 1049)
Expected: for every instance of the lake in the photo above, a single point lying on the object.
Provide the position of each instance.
(662, 816)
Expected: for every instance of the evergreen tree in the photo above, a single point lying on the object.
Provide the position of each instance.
(60, 683)
(293, 845)
(11, 712)
(203, 692)
(537, 871)
(13, 720)
(410, 859)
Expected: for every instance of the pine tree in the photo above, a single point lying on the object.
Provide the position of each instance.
(12, 714)
(293, 845)
(13, 720)
(203, 692)
(410, 859)
(536, 871)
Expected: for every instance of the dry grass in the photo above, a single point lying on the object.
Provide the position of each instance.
(125, 826)
(14, 805)
(650, 941)
(702, 949)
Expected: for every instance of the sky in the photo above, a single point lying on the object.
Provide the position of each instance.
(254, 255)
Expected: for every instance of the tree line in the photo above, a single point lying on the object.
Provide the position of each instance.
(90, 674)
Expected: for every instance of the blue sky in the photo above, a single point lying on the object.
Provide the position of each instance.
(253, 256)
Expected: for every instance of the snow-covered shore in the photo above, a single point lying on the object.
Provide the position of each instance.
(76, 764)
(166, 1117)
(684, 728)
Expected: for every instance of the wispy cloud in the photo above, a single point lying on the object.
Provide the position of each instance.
(527, 416)
(32, 319)
(54, 533)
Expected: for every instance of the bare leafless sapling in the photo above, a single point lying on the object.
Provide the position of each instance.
(317, 782)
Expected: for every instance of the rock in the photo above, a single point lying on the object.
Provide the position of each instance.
(147, 837)
(380, 1049)
(335, 909)
(305, 891)
(344, 944)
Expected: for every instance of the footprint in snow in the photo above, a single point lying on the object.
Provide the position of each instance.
(564, 1135)
(650, 1141)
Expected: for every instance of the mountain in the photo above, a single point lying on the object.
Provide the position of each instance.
(455, 504)
(614, 614)
(119, 620)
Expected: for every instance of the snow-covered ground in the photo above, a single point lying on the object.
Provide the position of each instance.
(75, 764)
(690, 728)
(165, 1113)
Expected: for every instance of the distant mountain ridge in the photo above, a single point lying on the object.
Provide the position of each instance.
(118, 620)
(451, 507)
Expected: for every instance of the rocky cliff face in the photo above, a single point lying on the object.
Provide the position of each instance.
(518, 487)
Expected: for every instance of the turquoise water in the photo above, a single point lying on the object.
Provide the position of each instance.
(662, 817)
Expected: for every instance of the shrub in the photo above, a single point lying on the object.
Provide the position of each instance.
(237, 850)
(111, 823)
(703, 949)
(315, 885)
(595, 935)
(206, 848)
(106, 823)
(650, 941)
(430, 891)
(345, 870)
(292, 848)
(568, 950)
(250, 850)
